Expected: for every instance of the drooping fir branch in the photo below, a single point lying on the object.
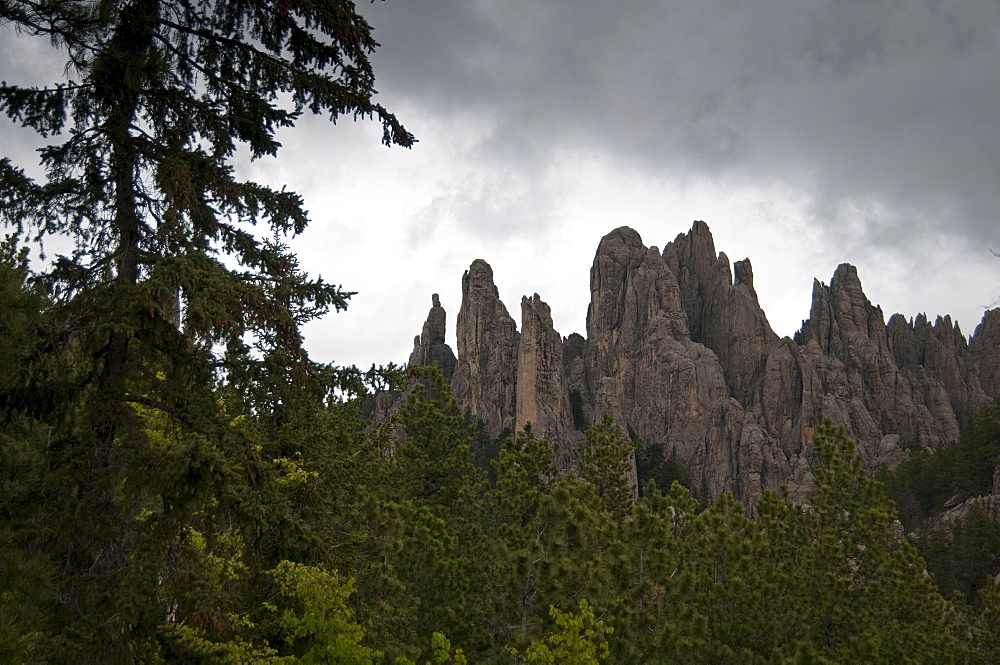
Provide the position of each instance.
(158, 97)
(166, 92)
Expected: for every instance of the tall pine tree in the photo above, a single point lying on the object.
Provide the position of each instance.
(167, 290)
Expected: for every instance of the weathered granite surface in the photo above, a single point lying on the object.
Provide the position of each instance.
(679, 351)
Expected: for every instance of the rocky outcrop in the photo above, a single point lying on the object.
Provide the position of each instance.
(543, 398)
(575, 369)
(937, 361)
(861, 384)
(644, 368)
(958, 511)
(679, 351)
(485, 380)
(984, 352)
(429, 347)
(542, 392)
(722, 310)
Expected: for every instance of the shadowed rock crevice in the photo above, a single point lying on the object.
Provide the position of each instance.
(722, 311)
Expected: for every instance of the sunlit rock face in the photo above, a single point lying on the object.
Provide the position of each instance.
(680, 352)
(542, 386)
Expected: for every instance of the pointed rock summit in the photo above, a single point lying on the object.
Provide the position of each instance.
(984, 348)
(429, 346)
(485, 381)
(680, 352)
(723, 312)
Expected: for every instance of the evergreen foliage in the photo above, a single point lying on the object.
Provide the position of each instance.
(923, 483)
(144, 486)
(181, 484)
(606, 462)
(437, 566)
(859, 587)
(964, 560)
(651, 464)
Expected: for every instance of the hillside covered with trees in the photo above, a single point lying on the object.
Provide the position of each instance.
(179, 482)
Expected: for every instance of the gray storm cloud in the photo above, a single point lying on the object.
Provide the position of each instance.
(805, 132)
(878, 106)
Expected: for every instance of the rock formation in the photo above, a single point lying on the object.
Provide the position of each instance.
(679, 351)
(429, 346)
(485, 380)
(723, 312)
(542, 394)
(984, 349)
(957, 511)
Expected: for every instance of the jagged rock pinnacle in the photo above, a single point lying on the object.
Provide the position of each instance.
(429, 347)
(680, 352)
(485, 380)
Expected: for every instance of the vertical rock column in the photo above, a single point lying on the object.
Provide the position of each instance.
(984, 351)
(429, 347)
(723, 312)
(485, 380)
(542, 394)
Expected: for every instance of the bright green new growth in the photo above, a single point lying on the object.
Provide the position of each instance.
(578, 640)
(324, 621)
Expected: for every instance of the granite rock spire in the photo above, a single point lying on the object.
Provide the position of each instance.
(680, 352)
(429, 346)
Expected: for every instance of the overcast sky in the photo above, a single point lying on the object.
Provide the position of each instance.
(806, 133)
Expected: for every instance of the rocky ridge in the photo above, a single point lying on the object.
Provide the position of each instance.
(956, 510)
(680, 352)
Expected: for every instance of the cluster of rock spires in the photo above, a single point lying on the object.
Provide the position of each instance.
(679, 351)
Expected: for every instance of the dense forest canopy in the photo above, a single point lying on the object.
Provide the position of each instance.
(180, 483)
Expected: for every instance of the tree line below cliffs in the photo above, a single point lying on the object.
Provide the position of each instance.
(285, 525)
(180, 483)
